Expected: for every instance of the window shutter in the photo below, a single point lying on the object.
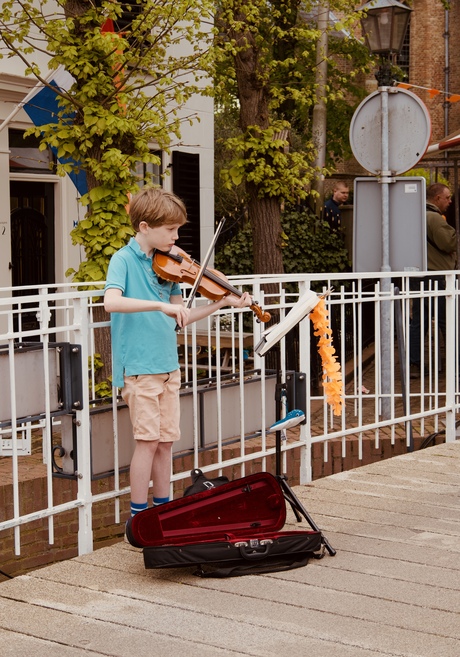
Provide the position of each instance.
(186, 185)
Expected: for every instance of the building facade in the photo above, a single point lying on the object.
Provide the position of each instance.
(39, 209)
(430, 68)
(434, 62)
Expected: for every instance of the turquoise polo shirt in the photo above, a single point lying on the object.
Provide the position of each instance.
(146, 342)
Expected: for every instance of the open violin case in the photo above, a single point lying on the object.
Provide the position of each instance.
(229, 529)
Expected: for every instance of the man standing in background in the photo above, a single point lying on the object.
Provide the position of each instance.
(441, 255)
(332, 212)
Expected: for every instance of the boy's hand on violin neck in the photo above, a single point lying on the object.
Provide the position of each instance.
(244, 301)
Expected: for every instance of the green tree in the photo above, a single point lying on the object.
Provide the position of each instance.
(265, 74)
(128, 92)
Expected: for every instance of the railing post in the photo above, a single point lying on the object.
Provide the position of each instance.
(44, 318)
(451, 357)
(306, 467)
(85, 527)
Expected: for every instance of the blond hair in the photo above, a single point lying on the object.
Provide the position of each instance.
(340, 184)
(156, 207)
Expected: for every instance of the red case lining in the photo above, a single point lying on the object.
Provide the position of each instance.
(251, 506)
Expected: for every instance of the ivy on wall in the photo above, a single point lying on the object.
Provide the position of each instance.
(309, 246)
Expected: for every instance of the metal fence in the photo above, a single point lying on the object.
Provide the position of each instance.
(55, 355)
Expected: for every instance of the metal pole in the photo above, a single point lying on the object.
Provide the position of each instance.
(85, 496)
(385, 286)
(319, 126)
(402, 369)
(451, 348)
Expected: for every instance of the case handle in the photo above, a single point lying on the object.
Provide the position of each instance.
(251, 551)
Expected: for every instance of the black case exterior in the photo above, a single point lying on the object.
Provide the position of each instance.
(282, 552)
(229, 530)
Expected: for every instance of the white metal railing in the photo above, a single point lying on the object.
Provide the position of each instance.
(49, 337)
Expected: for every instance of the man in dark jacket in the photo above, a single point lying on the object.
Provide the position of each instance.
(332, 212)
(441, 255)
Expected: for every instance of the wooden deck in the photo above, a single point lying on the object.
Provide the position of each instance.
(391, 590)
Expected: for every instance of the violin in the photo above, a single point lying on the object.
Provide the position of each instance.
(178, 266)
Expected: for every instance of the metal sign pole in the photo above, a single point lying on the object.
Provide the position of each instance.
(386, 144)
(385, 284)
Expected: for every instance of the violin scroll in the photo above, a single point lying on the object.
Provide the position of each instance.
(262, 315)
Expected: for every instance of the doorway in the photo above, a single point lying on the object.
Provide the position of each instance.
(32, 239)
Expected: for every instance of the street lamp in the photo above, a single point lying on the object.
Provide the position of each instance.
(384, 27)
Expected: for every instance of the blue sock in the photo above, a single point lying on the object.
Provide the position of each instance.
(160, 500)
(135, 508)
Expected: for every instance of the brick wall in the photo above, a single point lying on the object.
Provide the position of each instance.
(428, 68)
(428, 60)
(36, 552)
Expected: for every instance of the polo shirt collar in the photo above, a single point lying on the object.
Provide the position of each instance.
(134, 245)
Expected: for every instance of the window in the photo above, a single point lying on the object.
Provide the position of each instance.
(186, 184)
(150, 173)
(25, 156)
(403, 59)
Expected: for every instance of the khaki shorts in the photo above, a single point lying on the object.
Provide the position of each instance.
(153, 401)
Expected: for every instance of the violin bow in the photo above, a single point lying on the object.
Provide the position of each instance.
(203, 267)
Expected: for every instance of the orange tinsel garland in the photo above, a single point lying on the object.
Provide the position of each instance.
(332, 376)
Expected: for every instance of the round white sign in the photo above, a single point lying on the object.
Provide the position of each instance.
(409, 131)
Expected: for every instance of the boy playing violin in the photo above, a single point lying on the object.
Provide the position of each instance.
(144, 312)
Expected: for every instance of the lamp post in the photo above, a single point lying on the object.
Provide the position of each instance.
(384, 26)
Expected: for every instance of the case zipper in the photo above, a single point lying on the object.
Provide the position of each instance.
(254, 543)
